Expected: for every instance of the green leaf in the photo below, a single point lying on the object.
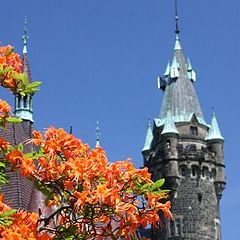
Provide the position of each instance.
(20, 147)
(145, 186)
(8, 213)
(34, 85)
(14, 120)
(132, 237)
(157, 184)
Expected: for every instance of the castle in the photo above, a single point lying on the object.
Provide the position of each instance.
(180, 147)
(186, 151)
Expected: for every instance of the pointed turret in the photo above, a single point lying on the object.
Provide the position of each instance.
(169, 125)
(214, 131)
(23, 104)
(149, 137)
(179, 95)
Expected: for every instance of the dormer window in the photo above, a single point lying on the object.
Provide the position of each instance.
(193, 131)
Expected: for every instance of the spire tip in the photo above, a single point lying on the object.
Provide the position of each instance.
(25, 36)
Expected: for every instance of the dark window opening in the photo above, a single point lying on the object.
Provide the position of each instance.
(200, 197)
(214, 173)
(25, 101)
(204, 172)
(194, 171)
(183, 170)
(194, 131)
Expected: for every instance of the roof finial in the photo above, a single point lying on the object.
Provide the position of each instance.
(176, 18)
(25, 36)
(98, 134)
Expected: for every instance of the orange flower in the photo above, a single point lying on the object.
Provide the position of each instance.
(4, 144)
(37, 138)
(4, 108)
(15, 157)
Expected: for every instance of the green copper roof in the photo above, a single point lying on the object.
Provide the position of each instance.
(179, 95)
(167, 71)
(169, 125)
(177, 43)
(149, 137)
(214, 131)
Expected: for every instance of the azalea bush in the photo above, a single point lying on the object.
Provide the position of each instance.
(89, 197)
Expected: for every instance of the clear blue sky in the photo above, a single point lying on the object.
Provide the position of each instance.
(98, 59)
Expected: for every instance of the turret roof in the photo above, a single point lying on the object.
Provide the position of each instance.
(214, 131)
(180, 96)
(149, 137)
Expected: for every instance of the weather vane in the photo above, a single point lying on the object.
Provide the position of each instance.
(176, 17)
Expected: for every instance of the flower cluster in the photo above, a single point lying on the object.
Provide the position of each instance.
(19, 225)
(93, 197)
(10, 66)
(90, 198)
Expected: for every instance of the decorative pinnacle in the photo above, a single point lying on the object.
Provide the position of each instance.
(98, 134)
(25, 36)
(176, 18)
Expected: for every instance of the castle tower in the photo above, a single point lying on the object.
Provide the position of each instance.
(188, 153)
(20, 192)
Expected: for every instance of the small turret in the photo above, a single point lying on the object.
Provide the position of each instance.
(215, 142)
(148, 143)
(170, 136)
(170, 141)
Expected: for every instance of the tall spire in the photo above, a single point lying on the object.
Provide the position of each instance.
(25, 36)
(179, 92)
(98, 134)
(25, 63)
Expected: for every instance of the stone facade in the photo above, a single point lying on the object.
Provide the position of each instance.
(193, 171)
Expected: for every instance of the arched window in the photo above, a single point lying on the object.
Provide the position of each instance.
(204, 172)
(195, 171)
(183, 170)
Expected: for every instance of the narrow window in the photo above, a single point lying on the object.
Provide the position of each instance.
(194, 171)
(183, 170)
(204, 172)
(193, 131)
(25, 101)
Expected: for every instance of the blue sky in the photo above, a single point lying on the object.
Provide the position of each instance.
(99, 59)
